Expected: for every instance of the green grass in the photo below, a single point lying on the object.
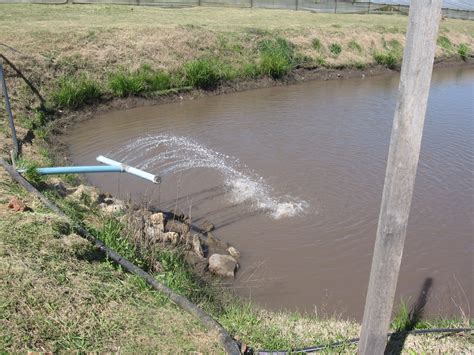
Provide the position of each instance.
(113, 235)
(57, 295)
(445, 43)
(387, 59)
(277, 57)
(391, 56)
(74, 92)
(145, 80)
(463, 51)
(402, 320)
(317, 44)
(31, 172)
(202, 73)
(335, 49)
(250, 71)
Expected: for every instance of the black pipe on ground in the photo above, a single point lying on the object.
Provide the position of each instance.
(316, 348)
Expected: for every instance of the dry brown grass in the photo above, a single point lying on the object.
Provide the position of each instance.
(101, 37)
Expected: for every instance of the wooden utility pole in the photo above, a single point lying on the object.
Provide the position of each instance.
(402, 162)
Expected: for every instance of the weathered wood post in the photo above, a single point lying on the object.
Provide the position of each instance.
(400, 175)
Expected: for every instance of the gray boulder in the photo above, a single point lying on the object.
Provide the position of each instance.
(222, 265)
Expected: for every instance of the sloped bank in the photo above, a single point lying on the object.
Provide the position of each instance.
(147, 228)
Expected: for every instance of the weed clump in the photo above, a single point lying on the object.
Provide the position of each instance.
(202, 73)
(354, 46)
(335, 49)
(463, 51)
(277, 57)
(392, 57)
(320, 61)
(30, 171)
(73, 92)
(317, 44)
(144, 80)
(250, 71)
(445, 43)
(385, 59)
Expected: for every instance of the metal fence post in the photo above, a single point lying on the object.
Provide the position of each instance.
(402, 163)
(16, 147)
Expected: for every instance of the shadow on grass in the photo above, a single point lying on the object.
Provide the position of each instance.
(397, 339)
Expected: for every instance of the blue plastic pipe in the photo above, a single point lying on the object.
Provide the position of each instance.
(111, 167)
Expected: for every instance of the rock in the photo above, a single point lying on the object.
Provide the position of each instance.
(91, 192)
(188, 241)
(151, 233)
(222, 265)
(198, 263)
(112, 209)
(109, 200)
(154, 232)
(17, 205)
(207, 226)
(156, 221)
(177, 226)
(196, 244)
(171, 237)
(157, 218)
(233, 252)
(60, 188)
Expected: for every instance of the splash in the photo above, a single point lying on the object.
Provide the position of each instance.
(173, 154)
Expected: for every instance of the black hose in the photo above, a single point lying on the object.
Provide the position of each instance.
(355, 340)
(224, 338)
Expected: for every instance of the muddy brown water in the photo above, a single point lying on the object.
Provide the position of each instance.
(293, 177)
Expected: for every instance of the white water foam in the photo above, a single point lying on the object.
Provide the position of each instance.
(175, 154)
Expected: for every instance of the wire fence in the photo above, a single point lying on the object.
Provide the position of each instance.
(319, 6)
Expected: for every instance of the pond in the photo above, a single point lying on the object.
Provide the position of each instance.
(293, 176)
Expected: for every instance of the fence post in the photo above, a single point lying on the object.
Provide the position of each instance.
(16, 147)
(400, 175)
(297, 4)
(335, 7)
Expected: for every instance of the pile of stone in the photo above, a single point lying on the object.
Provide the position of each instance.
(203, 250)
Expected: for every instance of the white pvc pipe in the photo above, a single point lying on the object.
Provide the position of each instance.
(129, 169)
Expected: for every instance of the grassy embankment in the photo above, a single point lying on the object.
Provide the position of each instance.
(56, 292)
